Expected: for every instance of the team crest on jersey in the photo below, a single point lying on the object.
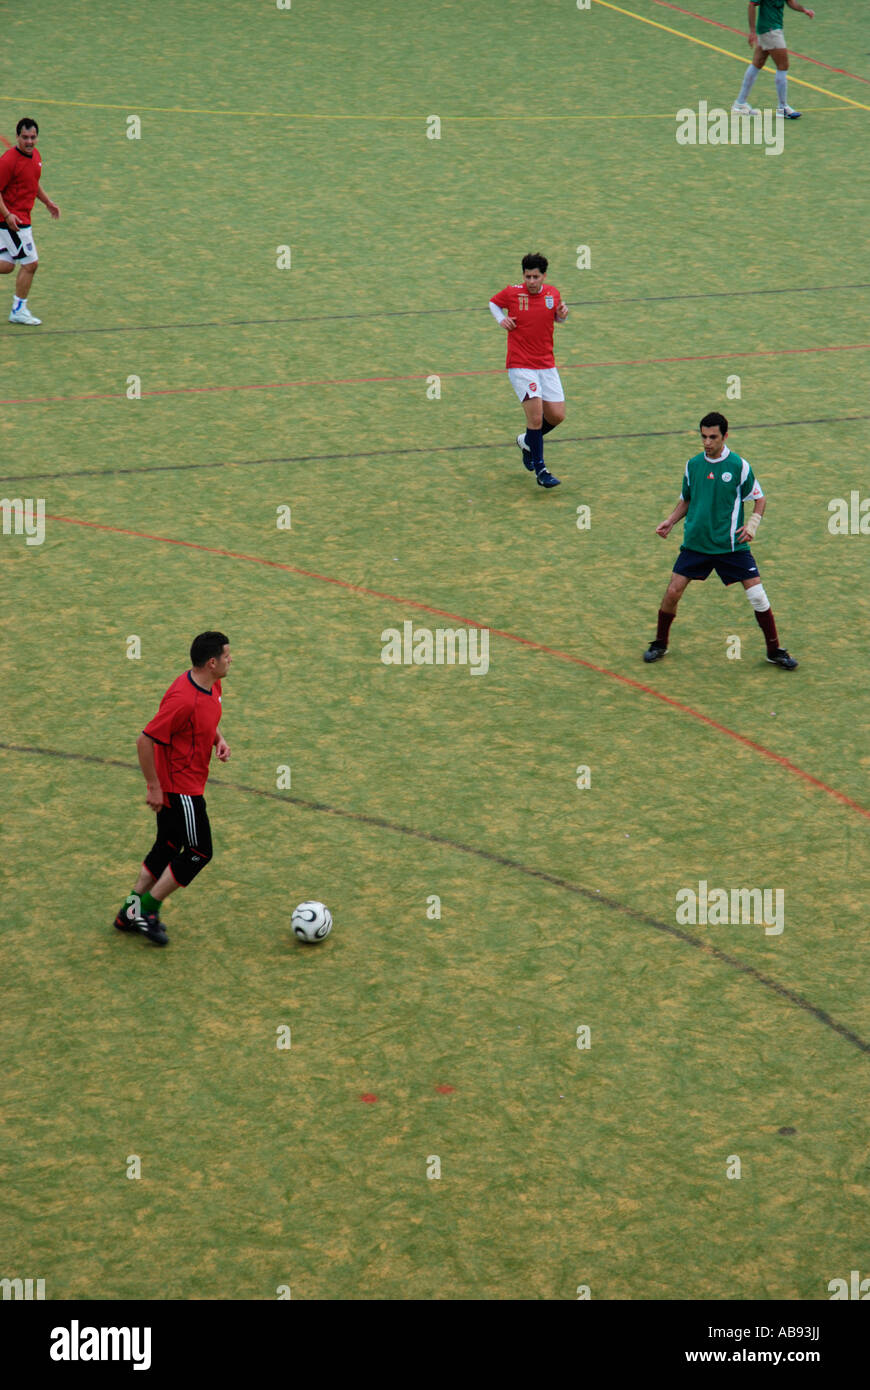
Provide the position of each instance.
(549, 301)
(726, 477)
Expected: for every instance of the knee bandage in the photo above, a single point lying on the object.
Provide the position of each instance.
(758, 598)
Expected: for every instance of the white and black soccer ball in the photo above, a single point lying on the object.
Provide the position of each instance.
(311, 922)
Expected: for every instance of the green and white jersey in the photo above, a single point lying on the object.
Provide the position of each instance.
(769, 15)
(715, 490)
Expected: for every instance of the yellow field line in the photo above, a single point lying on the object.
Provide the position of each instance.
(134, 107)
(727, 51)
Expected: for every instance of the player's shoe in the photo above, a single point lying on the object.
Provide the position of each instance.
(655, 651)
(127, 918)
(151, 926)
(22, 316)
(744, 109)
(789, 113)
(781, 658)
(546, 479)
(527, 457)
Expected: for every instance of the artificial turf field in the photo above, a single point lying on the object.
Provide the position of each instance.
(416, 1037)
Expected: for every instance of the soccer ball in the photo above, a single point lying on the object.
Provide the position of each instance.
(311, 922)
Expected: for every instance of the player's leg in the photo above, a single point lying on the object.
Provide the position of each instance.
(667, 612)
(10, 248)
(552, 414)
(19, 248)
(780, 58)
(24, 279)
(521, 380)
(161, 889)
(166, 844)
(195, 850)
(144, 881)
(673, 593)
(533, 409)
(764, 617)
(759, 58)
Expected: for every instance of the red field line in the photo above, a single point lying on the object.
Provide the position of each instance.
(445, 376)
(497, 632)
(730, 27)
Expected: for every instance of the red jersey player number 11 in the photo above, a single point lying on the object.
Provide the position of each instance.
(529, 312)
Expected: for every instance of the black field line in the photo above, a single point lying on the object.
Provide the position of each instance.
(397, 453)
(540, 875)
(431, 313)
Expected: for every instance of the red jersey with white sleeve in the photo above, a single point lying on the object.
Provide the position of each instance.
(19, 180)
(183, 731)
(530, 344)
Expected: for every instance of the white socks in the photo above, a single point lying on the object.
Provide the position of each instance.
(748, 78)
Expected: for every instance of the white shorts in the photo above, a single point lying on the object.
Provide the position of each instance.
(774, 38)
(544, 383)
(17, 246)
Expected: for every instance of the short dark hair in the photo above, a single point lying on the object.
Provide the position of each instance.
(207, 645)
(714, 421)
(26, 123)
(533, 260)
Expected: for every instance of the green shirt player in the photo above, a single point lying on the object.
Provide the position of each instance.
(716, 484)
(769, 40)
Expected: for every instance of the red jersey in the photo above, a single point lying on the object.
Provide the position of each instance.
(530, 344)
(19, 180)
(183, 730)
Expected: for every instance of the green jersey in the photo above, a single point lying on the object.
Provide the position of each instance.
(715, 490)
(769, 15)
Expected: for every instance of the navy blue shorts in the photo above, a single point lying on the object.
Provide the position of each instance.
(731, 567)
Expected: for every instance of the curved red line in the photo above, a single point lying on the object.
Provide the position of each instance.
(745, 35)
(496, 631)
(424, 376)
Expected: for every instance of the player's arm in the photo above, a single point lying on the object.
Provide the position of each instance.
(154, 791)
(500, 316)
(221, 747)
(561, 311)
(754, 494)
(44, 198)
(752, 12)
(750, 526)
(665, 527)
(801, 9)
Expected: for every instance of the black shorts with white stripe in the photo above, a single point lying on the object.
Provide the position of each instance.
(183, 841)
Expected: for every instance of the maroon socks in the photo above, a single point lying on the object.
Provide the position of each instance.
(664, 627)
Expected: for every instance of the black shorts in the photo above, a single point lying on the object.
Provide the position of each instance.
(183, 843)
(731, 567)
